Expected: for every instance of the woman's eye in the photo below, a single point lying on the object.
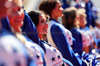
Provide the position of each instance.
(19, 9)
(42, 21)
(16, 9)
(60, 6)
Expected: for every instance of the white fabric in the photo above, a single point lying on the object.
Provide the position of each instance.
(50, 41)
(36, 53)
(68, 34)
(85, 38)
(90, 35)
(53, 57)
(11, 52)
(97, 32)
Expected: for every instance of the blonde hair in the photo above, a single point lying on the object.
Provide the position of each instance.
(20, 37)
(71, 8)
(16, 33)
(81, 11)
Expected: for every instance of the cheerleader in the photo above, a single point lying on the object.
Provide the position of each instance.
(13, 53)
(56, 35)
(51, 56)
(88, 31)
(15, 15)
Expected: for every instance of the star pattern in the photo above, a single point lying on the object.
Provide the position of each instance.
(53, 59)
(58, 56)
(54, 50)
(69, 38)
(18, 63)
(37, 56)
(33, 47)
(14, 50)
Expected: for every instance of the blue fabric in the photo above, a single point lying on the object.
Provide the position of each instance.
(86, 28)
(78, 6)
(94, 17)
(65, 4)
(91, 4)
(98, 43)
(74, 43)
(78, 37)
(68, 62)
(88, 13)
(63, 46)
(5, 23)
(29, 29)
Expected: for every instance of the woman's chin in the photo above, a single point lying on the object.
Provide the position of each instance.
(20, 24)
(43, 32)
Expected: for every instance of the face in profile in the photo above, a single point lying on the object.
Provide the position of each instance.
(82, 21)
(58, 10)
(42, 26)
(15, 14)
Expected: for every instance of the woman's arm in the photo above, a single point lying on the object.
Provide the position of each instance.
(63, 46)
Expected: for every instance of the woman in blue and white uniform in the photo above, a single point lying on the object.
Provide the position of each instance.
(16, 15)
(87, 30)
(12, 51)
(52, 55)
(56, 35)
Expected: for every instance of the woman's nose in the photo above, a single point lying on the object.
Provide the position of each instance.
(46, 24)
(18, 13)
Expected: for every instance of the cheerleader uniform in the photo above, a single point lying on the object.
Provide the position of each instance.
(12, 51)
(56, 37)
(6, 22)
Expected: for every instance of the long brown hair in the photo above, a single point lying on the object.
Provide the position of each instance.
(69, 17)
(47, 6)
(34, 15)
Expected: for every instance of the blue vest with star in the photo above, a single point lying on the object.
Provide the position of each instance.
(57, 38)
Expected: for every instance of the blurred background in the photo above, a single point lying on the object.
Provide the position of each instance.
(33, 4)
